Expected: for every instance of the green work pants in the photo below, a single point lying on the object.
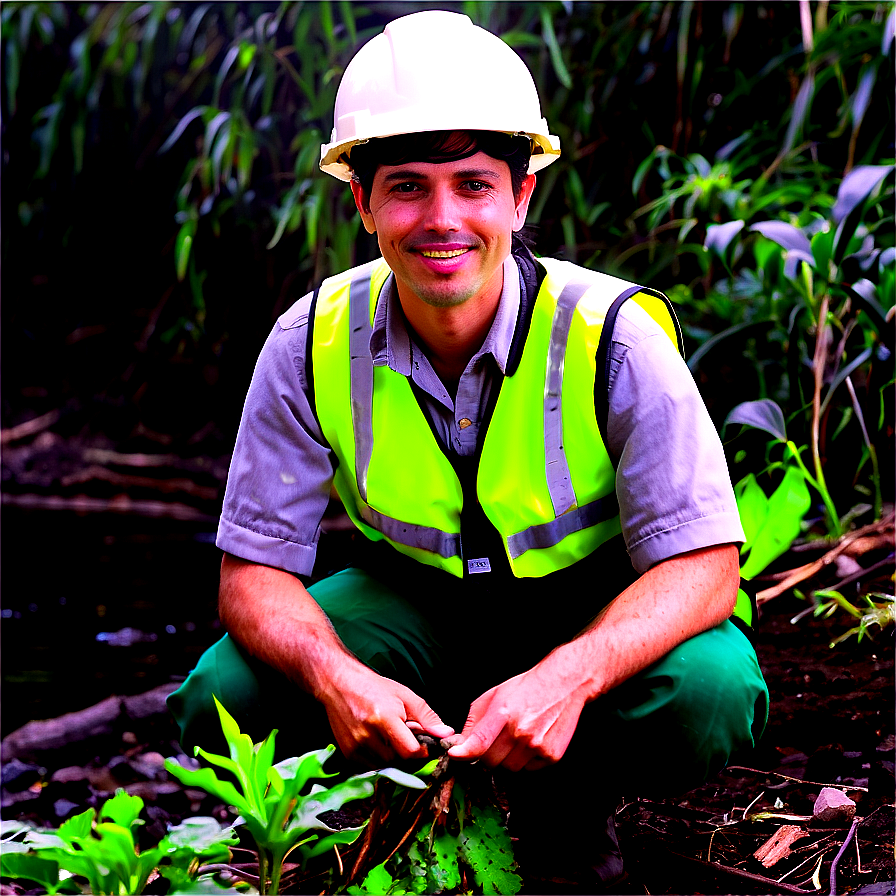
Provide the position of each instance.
(663, 731)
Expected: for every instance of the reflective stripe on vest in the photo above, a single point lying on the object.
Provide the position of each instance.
(551, 507)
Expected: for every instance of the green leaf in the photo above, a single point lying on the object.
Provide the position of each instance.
(786, 508)
(183, 245)
(122, 809)
(550, 38)
(786, 235)
(325, 844)
(209, 782)
(378, 880)
(752, 505)
(42, 871)
(855, 188)
(719, 236)
(199, 836)
(487, 849)
(763, 414)
(182, 125)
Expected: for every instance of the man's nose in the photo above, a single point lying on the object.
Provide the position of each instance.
(442, 212)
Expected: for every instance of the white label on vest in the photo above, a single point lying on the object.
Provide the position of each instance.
(481, 564)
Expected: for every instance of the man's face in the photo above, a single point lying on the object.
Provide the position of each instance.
(445, 228)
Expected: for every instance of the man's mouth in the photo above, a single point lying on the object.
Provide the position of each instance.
(446, 253)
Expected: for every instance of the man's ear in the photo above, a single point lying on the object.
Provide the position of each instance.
(522, 204)
(361, 203)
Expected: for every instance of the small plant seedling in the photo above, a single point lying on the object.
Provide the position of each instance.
(278, 816)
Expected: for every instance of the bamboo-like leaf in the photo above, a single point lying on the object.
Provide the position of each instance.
(856, 187)
(763, 414)
(182, 125)
(719, 236)
(786, 235)
(550, 38)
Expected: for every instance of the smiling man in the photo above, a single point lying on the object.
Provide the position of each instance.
(545, 568)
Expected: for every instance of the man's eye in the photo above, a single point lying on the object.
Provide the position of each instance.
(476, 186)
(406, 188)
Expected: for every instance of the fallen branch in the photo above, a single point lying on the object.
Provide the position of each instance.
(29, 427)
(881, 535)
(118, 504)
(744, 768)
(38, 738)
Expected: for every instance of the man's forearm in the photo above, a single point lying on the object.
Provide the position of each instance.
(675, 600)
(272, 616)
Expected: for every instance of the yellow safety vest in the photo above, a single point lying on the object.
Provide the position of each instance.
(545, 480)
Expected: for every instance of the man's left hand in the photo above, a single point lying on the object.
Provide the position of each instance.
(526, 722)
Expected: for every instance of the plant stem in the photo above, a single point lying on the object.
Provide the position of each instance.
(276, 871)
(818, 366)
(818, 486)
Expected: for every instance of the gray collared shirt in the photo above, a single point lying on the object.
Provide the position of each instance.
(672, 480)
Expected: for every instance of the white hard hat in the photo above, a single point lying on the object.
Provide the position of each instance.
(435, 71)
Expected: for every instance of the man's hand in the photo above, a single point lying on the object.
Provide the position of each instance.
(526, 722)
(374, 718)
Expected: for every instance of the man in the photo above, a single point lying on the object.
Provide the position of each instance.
(500, 430)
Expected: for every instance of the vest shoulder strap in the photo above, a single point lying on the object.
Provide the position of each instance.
(604, 355)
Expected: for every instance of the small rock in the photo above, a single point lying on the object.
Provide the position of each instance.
(833, 807)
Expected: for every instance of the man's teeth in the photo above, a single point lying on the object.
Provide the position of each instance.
(451, 253)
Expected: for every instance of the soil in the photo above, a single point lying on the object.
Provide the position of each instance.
(831, 723)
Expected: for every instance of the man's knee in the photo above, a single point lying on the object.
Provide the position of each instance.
(688, 714)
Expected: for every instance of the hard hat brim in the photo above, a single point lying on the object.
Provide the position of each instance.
(545, 150)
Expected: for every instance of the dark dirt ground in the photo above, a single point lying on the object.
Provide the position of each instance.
(831, 723)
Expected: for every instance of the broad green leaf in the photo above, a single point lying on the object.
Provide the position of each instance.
(398, 776)
(30, 867)
(207, 780)
(822, 246)
(378, 880)
(763, 414)
(487, 849)
(201, 836)
(786, 508)
(123, 809)
(855, 188)
(752, 505)
(325, 844)
(78, 826)
(113, 850)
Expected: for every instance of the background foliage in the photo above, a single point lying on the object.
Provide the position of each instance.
(162, 204)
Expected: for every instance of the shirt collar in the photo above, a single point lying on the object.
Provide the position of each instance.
(391, 343)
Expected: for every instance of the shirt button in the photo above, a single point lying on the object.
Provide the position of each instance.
(464, 422)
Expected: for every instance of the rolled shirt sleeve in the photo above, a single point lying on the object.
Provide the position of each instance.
(672, 479)
(281, 472)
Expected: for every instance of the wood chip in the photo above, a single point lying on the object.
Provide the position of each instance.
(777, 847)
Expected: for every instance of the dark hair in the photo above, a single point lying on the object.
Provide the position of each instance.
(440, 146)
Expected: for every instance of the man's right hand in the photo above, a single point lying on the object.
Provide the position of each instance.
(370, 717)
